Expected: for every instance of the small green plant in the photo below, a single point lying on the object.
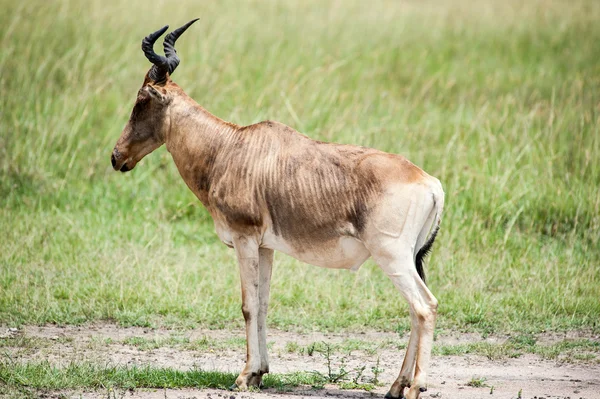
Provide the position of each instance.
(359, 372)
(292, 347)
(477, 382)
(346, 379)
(403, 328)
(333, 376)
(519, 395)
(310, 349)
(376, 371)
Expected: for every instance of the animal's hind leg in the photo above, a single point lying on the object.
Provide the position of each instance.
(408, 365)
(397, 261)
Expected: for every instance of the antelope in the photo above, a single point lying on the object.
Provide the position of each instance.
(268, 187)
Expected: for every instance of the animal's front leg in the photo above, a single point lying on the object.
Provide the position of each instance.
(265, 267)
(246, 249)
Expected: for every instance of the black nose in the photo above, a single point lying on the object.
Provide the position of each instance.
(113, 160)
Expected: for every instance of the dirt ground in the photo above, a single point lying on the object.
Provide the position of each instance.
(527, 376)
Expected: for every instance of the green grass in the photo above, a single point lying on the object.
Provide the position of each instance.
(21, 377)
(497, 100)
(566, 351)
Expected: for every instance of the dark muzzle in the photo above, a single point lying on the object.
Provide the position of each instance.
(117, 162)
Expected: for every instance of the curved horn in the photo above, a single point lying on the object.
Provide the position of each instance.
(159, 70)
(169, 45)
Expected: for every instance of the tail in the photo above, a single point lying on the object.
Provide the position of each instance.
(432, 222)
(423, 252)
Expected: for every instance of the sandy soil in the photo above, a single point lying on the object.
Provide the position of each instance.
(448, 377)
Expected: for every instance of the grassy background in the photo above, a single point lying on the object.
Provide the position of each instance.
(500, 101)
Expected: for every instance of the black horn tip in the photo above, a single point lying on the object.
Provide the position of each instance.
(184, 27)
(155, 35)
(174, 35)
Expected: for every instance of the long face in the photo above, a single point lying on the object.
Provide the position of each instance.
(149, 121)
(146, 129)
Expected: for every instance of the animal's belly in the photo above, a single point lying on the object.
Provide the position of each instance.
(340, 253)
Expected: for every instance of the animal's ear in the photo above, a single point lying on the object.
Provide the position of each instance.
(156, 93)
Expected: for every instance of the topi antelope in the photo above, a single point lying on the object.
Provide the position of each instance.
(270, 188)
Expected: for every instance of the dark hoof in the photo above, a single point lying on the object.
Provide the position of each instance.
(390, 396)
(233, 387)
(423, 389)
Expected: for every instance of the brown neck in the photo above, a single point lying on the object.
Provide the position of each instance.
(195, 139)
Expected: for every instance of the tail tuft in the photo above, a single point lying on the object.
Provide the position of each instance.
(424, 251)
